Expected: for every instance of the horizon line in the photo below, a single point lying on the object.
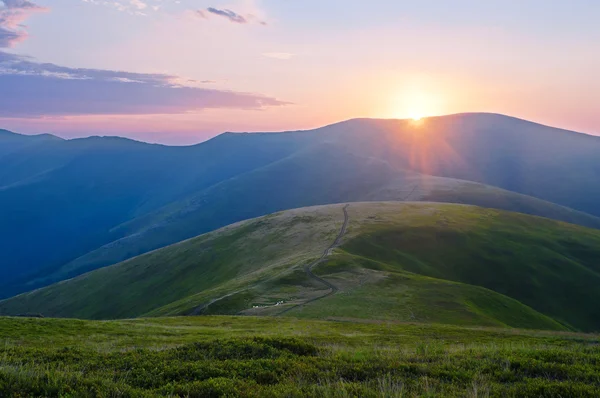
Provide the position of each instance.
(424, 118)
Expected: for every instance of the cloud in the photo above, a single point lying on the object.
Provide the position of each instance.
(9, 38)
(232, 16)
(133, 7)
(12, 14)
(140, 5)
(20, 4)
(277, 55)
(31, 89)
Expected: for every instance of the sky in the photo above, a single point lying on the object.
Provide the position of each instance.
(182, 71)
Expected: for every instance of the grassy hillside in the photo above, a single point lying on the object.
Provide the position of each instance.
(235, 255)
(373, 289)
(286, 357)
(419, 262)
(529, 259)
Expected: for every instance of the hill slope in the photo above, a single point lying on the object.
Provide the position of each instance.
(410, 262)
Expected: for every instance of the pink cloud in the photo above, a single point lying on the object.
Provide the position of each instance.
(12, 14)
(31, 89)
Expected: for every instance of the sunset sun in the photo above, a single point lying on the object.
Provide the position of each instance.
(415, 101)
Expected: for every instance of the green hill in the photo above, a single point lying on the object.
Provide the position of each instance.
(419, 262)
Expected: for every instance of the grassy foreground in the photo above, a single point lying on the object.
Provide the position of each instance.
(214, 356)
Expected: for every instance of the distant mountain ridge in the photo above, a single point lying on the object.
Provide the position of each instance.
(75, 205)
(11, 134)
(11, 142)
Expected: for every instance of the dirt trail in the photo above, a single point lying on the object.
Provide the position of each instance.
(198, 310)
(411, 192)
(308, 268)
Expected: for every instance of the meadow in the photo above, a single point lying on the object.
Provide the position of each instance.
(223, 356)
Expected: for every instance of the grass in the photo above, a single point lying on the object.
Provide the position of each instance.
(551, 267)
(216, 356)
(388, 294)
(234, 257)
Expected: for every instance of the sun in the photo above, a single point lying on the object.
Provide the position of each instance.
(415, 102)
(414, 108)
(418, 108)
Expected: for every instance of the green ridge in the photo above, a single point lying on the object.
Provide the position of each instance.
(412, 262)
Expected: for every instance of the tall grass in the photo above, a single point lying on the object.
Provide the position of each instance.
(286, 357)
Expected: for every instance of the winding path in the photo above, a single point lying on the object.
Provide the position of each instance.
(308, 268)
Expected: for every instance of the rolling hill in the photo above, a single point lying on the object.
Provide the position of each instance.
(70, 206)
(419, 262)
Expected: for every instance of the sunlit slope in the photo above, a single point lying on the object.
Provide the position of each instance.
(548, 163)
(420, 262)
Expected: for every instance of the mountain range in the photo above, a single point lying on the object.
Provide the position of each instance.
(73, 206)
